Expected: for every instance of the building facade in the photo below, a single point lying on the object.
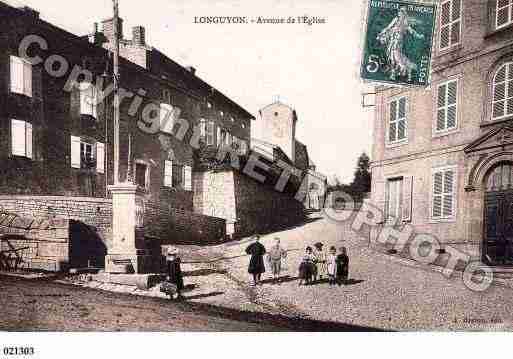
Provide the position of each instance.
(443, 156)
(56, 143)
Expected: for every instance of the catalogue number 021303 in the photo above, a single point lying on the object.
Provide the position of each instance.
(18, 351)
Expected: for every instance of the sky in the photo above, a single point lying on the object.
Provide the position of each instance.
(314, 69)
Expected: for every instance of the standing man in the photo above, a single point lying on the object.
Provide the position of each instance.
(256, 264)
(275, 256)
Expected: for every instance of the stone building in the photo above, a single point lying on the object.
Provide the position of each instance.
(278, 123)
(56, 136)
(443, 156)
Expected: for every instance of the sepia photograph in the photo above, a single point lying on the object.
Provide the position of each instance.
(230, 166)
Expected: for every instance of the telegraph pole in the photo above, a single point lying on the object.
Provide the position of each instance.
(116, 91)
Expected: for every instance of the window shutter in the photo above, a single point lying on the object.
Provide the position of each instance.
(27, 79)
(168, 173)
(28, 140)
(166, 118)
(18, 138)
(437, 194)
(392, 131)
(407, 198)
(75, 152)
(456, 25)
(203, 128)
(100, 157)
(445, 21)
(17, 71)
(210, 133)
(503, 12)
(85, 98)
(441, 113)
(448, 198)
(219, 136)
(187, 178)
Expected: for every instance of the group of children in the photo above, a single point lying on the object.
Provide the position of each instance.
(319, 263)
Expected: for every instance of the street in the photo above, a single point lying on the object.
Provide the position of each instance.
(40, 305)
(384, 293)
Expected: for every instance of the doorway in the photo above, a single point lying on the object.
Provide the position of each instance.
(498, 215)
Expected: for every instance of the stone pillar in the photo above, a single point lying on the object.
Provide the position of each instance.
(128, 252)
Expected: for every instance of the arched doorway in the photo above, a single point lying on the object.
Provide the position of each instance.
(498, 215)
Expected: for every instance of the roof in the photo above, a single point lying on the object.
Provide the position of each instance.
(182, 70)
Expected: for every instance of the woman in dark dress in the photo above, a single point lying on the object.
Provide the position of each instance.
(256, 264)
(342, 262)
(174, 271)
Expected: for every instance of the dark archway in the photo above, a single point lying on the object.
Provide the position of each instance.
(498, 214)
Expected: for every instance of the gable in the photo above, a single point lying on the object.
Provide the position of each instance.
(498, 137)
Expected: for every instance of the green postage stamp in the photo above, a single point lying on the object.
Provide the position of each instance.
(398, 43)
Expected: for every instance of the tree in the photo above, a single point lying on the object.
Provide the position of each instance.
(362, 177)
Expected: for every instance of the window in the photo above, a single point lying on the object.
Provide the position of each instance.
(443, 195)
(221, 136)
(228, 139)
(88, 99)
(177, 176)
(21, 138)
(502, 103)
(243, 147)
(141, 174)
(450, 23)
(394, 199)
(21, 76)
(187, 178)
(504, 13)
(447, 106)
(168, 173)
(166, 96)
(398, 123)
(87, 154)
(210, 133)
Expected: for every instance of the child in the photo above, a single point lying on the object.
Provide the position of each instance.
(342, 266)
(306, 268)
(320, 261)
(174, 272)
(331, 265)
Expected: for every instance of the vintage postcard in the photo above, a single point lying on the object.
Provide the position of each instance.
(240, 166)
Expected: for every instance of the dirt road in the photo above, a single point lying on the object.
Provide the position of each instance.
(43, 305)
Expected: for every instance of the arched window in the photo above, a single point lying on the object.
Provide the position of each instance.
(500, 178)
(502, 102)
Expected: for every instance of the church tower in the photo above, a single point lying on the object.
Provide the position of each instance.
(278, 127)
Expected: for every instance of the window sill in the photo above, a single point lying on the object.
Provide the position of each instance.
(439, 134)
(31, 97)
(396, 144)
(22, 158)
(496, 122)
(442, 220)
(448, 50)
(496, 32)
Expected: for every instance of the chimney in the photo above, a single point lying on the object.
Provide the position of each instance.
(139, 36)
(191, 69)
(108, 29)
(30, 12)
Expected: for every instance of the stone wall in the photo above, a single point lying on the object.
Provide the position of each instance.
(254, 207)
(96, 213)
(169, 225)
(26, 243)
